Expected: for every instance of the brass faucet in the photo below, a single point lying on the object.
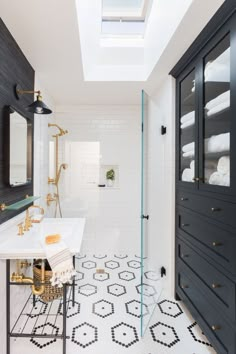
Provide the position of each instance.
(28, 221)
(37, 207)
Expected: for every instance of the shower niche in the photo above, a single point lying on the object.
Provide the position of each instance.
(109, 176)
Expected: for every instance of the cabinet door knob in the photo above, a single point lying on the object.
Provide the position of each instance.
(216, 244)
(183, 199)
(196, 179)
(184, 255)
(184, 225)
(215, 209)
(184, 286)
(215, 328)
(215, 286)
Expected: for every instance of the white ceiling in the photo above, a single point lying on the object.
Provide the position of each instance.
(47, 33)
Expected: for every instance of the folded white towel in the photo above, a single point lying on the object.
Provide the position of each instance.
(190, 153)
(224, 165)
(224, 97)
(219, 69)
(218, 143)
(187, 175)
(188, 147)
(60, 260)
(188, 123)
(188, 116)
(219, 108)
(192, 165)
(219, 179)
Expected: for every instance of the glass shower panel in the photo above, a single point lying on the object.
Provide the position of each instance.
(150, 287)
(217, 115)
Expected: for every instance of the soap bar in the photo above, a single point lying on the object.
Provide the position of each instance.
(52, 239)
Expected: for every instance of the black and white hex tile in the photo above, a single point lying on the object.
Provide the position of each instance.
(106, 316)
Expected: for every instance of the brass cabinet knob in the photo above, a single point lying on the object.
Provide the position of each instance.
(216, 244)
(215, 328)
(215, 286)
(215, 209)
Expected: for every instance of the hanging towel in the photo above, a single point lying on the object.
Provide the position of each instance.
(217, 143)
(188, 116)
(223, 98)
(219, 179)
(223, 165)
(60, 260)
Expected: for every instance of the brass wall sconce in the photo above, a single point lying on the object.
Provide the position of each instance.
(38, 106)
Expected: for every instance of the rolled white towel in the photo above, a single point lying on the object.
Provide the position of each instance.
(188, 116)
(220, 179)
(207, 174)
(188, 123)
(187, 175)
(219, 108)
(189, 153)
(219, 69)
(188, 147)
(192, 165)
(217, 143)
(224, 97)
(224, 165)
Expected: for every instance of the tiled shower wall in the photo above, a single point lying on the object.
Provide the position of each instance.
(112, 214)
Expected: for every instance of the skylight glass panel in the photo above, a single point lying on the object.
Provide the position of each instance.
(116, 5)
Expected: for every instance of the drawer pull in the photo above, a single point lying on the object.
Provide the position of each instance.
(215, 328)
(184, 255)
(196, 179)
(184, 225)
(215, 286)
(183, 199)
(184, 286)
(215, 209)
(216, 244)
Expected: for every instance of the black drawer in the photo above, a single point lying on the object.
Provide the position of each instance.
(216, 242)
(216, 328)
(214, 208)
(214, 284)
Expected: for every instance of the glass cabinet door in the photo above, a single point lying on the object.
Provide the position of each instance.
(216, 116)
(187, 128)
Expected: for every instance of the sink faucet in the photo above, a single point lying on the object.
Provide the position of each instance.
(28, 218)
(37, 207)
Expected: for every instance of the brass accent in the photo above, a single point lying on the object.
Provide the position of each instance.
(37, 207)
(215, 328)
(28, 221)
(21, 92)
(51, 180)
(100, 271)
(216, 244)
(2, 206)
(20, 278)
(25, 264)
(51, 198)
(20, 229)
(215, 286)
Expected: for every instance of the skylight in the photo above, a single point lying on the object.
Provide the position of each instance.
(124, 17)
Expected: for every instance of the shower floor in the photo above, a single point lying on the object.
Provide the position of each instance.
(106, 315)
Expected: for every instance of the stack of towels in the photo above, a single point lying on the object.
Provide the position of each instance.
(222, 176)
(188, 150)
(218, 104)
(189, 173)
(218, 70)
(187, 120)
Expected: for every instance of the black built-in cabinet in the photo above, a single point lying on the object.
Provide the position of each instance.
(206, 179)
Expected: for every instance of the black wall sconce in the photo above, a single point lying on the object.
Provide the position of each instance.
(37, 106)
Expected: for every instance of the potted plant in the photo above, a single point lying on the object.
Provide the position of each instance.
(110, 176)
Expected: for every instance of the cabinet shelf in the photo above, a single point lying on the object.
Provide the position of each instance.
(20, 204)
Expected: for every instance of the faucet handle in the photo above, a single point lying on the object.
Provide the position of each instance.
(20, 229)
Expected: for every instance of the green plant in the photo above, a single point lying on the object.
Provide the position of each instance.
(110, 174)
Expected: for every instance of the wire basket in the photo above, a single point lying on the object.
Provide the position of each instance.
(51, 292)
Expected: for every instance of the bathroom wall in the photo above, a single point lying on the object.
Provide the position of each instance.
(112, 213)
(161, 179)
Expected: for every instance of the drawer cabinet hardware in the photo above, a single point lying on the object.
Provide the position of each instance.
(215, 286)
(196, 179)
(184, 255)
(184, 225)
(184, 286)
(215, 328)
(183, 199)
(216, 244)
(215, 209)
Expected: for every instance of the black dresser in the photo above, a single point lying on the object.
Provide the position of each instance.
(206, 179)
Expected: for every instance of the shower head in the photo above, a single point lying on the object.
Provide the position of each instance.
(61, 131)
(62, 166)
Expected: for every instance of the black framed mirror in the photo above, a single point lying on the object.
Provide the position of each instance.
(19, 146)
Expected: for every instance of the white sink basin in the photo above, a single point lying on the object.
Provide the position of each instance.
(30, 245)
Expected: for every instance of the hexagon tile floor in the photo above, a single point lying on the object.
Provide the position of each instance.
(106, 316)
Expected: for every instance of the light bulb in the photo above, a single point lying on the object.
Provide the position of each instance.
(39, 110)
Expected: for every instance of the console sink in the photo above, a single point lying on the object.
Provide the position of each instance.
(30, 245)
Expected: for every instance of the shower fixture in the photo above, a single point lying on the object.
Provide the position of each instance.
(38, 106)
(61, 131)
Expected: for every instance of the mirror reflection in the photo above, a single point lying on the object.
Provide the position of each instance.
(20, 150)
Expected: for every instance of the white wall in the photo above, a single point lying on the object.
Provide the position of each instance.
(161, 177)
(113, 214)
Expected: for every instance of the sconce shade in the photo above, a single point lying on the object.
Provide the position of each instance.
(38, 107)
